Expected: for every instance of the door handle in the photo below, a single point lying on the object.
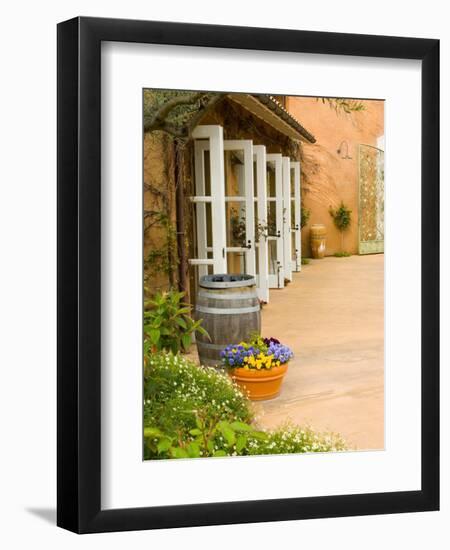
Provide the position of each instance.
(248, 245)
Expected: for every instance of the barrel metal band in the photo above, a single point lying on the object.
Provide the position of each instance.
(230, 311)
(227, 284)
(227, 296)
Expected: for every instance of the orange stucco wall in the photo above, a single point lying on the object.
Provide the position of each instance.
(327, 177)
(159, 199)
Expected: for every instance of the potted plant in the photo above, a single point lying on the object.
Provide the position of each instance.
(342, 218)
(258, 366)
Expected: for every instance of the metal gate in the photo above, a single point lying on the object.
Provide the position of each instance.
(371, 199)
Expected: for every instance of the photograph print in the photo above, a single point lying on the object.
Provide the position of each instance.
(263, 274)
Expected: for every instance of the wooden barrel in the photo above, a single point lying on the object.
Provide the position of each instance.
(229, 307)
(318, 240)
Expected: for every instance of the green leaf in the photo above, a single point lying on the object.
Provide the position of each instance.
(193, 450)
(220, 452)
(176, 296)
(241, 427)
(180, 321)
(147, 347)
(195, 431)
(228, 433)
(241, 442)
(152, 432)
(164, 444)
(262, 436)
(178, 452)
(174, 346)
(199, 423)
(156, 322)
(210, 446)
(154, 335)
(186, 339)
(201, 330)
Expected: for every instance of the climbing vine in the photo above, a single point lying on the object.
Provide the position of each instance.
(305, 215)
(163, 258)
(343, 105)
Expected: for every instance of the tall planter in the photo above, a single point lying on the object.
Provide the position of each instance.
(318, 240)
(230, 309)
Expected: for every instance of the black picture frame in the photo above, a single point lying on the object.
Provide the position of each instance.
(79, 280)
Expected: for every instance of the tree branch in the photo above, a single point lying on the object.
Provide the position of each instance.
(199, 114)
(158, 120)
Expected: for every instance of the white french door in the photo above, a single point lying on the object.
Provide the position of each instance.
(239, 206)
(275, 255)
(223, 203)
(287, 238)
(296, 231)
(260, 201)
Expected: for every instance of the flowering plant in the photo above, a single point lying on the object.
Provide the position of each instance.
(258, 353)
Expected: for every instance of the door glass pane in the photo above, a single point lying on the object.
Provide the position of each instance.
(207, 168)
(234, 173)
(236, 262)
(202, 223)
(235, 223)
(272, 249)
(208, 208)
(294, 251)
(194, 186)
(272, 218)
(292, 182)
(293, 213)
(259, 230)
(271, 187)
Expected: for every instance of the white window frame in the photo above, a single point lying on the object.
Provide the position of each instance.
(296, 201)
(259, 156)
(276, 280)
(211, 137)
(287, 239)
(246, 146)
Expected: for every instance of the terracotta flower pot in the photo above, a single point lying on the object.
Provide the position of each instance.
(260, 384)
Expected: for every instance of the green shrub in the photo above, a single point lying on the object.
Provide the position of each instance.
(207, 439)
(305, 261)
(342, 254)
(192, 412)
(168, 324)
(342, 218)
(178, 395)
(295, 439)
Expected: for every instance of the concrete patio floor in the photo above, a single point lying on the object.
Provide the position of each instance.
(332, 316)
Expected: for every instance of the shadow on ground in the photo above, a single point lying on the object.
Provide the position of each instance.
(46, 514)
